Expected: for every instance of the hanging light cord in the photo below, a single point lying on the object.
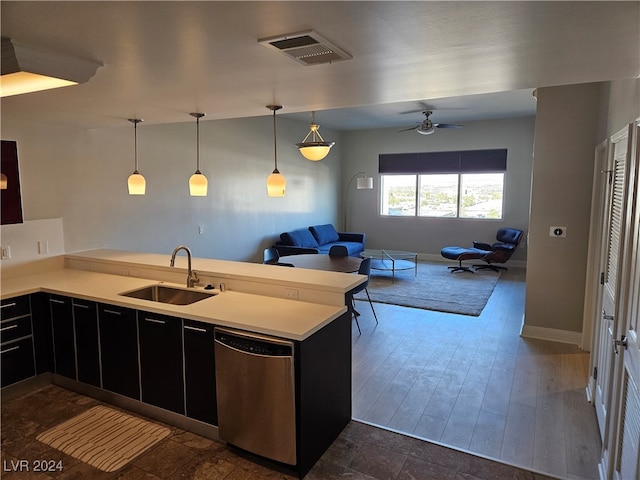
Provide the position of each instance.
(275, 139)
(197, 144)
(135, 145)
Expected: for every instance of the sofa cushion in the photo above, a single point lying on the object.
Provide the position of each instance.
(324, 233)
(299, 238)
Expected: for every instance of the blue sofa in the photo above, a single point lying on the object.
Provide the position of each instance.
(319, 239)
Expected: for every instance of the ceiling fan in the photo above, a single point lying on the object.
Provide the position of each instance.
(427, 127)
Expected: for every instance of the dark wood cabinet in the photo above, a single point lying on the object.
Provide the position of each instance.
(119, 350)
(42, 333)
(16, 341)
(161, 369)
(199, 372)
(16, 360)
(64, 350)
(85, 318)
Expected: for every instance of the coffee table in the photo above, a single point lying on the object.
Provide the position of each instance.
(392, 260)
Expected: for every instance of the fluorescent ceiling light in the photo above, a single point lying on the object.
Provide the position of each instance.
(26, 69)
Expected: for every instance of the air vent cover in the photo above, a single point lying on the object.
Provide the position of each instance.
(308, 48)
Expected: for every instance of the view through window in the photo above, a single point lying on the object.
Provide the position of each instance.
(462, 195)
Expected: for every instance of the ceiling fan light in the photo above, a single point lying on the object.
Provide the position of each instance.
(427, 131)
(276, 184)
(198, 185)
(137, 184)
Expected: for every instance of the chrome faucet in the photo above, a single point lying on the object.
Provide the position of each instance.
(192, 277)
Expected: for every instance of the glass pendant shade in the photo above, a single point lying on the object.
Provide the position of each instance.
(276, 183)
(198, 182)
(136, 183)
(315, 149)
(3, 181)
(198, 185)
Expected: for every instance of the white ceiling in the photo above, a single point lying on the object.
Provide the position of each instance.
(467, 60)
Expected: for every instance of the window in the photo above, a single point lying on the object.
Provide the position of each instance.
(467, 184)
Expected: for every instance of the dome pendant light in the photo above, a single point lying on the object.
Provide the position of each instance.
(136, 182)
(317, 148)
(198, 182)
(4, 182)
(276, 183)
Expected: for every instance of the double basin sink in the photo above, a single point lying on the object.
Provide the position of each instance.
(166, 294)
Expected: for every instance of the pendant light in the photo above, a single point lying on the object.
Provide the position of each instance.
(198, 182)
(136, 182)
(276, 183)
(3, 181)
(317, 148)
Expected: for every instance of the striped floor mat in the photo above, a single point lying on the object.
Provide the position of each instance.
(104, 438)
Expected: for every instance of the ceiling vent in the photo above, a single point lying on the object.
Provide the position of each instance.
(308, 48)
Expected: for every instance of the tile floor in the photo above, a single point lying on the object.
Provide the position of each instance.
(361, 452)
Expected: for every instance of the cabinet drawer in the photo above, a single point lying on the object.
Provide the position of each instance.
(15, 307)
(15, 328)
(16, 359)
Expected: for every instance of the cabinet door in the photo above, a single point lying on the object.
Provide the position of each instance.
(199, 371)
(64, 352)
(119, 350)
(85, 317)
(42, 334)
(161, 361)
(16, 360)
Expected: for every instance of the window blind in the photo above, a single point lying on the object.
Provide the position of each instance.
(463, 161)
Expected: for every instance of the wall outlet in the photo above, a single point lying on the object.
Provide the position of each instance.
(291, 293)
(5, 252)
(559, 232)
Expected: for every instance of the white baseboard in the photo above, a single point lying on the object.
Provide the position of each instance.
(551, 334)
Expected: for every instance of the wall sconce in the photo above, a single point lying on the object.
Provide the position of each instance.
(26, 69)
(198, 182)
(276, 183)
(317, 148)
(136, 183)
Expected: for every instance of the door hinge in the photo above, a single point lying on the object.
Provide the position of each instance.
(595, 373)
(601, 278)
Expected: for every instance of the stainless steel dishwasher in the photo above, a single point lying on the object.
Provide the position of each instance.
(256, 393)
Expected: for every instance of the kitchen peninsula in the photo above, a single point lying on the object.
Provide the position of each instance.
(158, 359)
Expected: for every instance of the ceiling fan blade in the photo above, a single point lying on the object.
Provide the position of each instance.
(447, 125)
(410, 128)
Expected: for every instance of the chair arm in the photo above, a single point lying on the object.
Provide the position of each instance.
(352, 237)
(291, 250)
(482, 246)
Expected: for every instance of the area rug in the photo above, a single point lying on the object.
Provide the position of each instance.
(104, 438)
(434, 288)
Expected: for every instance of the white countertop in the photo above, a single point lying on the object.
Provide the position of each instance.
(291, 319)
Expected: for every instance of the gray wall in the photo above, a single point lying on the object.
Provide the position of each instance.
(80, 176)
(429, 235)
(566, 134)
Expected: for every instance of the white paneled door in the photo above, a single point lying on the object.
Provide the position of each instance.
(626, 431)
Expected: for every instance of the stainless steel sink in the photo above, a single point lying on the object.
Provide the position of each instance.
(166, 294)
